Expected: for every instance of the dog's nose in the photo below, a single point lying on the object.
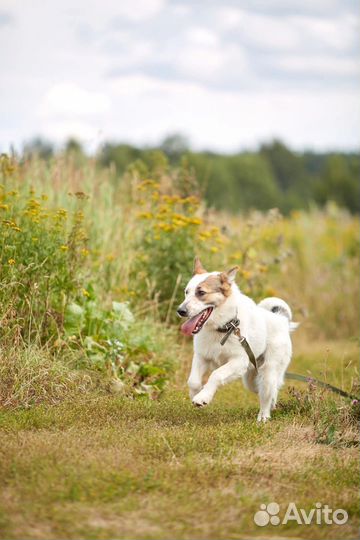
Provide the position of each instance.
(182, 312)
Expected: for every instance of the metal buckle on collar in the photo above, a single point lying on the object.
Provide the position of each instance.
(233, 327)
(229, 328)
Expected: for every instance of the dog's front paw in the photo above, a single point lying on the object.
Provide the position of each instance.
(194, 389)
(262, 417)
(202, 398)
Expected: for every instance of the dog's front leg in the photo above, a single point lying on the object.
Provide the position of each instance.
(234, 369)
(198, 369)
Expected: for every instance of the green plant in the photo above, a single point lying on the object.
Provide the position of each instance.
(42, 254)
(128, 352)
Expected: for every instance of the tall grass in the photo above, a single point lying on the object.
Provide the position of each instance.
(93, 265)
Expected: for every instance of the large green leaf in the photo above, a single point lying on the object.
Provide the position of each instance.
(74, 318)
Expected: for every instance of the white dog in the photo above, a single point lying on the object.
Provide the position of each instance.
(217, 311)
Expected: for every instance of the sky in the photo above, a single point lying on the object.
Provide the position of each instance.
(227, 74)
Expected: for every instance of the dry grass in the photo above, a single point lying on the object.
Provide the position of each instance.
(31, 375)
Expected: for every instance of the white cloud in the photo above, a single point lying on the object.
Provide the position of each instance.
(98, 12)
(70, 100)
(138, 10)
(229, 17)
(204, 58)
(127, 51)
(266, 31)
(290, 32)
(61, 130)
(338, 34)
(198, 35)
(200, 62)
(142, 86)
(320, 65)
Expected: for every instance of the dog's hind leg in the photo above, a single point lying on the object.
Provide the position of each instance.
(232, 370)
(268, 390)
(271, 378)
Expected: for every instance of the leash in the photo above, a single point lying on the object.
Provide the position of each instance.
(233, 327)
(322, 384)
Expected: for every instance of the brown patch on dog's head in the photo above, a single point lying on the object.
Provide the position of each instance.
(198, 267)
(216, 288)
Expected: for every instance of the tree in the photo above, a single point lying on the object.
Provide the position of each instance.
(38, 147)
(175, 146)
(339, 182)
(120, 155)
(238, 182)
(287, 167)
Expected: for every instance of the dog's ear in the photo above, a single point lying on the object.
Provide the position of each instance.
(230, 274)
(198, 267)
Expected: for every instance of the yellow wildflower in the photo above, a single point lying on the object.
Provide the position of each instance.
(147, 184)
(204, 235)
(64, 248)
(191, 200)
(145, 215)
(178, 222)
(165, 227)
(195, 221)
(11, 262)
(163, 209)
(4, 206)
(246, 274)
(61, 213)
(85, 252)
(85, 292)
(271, 292)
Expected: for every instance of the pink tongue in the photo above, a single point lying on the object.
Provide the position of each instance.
(188, 327)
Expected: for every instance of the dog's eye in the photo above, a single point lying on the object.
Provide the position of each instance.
(201, 293)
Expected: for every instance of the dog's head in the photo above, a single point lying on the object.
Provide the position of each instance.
(205, 292)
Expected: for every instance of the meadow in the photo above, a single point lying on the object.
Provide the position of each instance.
(99, 438)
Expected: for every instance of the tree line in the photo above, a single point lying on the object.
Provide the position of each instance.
(272, 176)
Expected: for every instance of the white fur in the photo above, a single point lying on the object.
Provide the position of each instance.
(267, 333)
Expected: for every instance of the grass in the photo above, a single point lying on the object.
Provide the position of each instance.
(102, 466)
(98, 437)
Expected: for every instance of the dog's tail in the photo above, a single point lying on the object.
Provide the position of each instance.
(279, 306)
